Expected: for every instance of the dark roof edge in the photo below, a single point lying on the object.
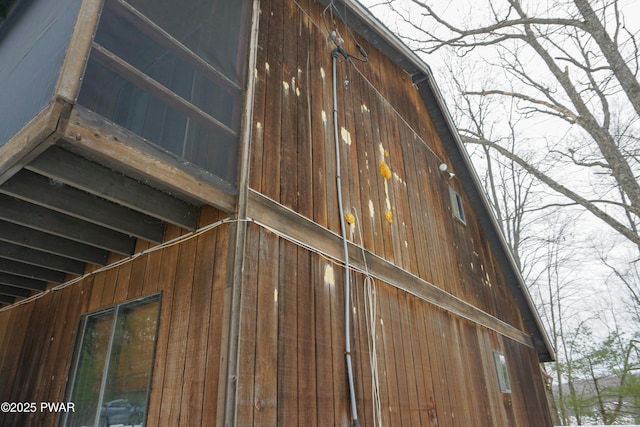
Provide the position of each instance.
(369, 27)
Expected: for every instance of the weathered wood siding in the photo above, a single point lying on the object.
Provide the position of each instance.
(37, 338)
(434, 368)
(381, 118)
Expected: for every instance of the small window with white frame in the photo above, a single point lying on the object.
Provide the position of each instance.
(502, 372)
(457, 208)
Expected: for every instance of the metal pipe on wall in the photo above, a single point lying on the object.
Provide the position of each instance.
(335, 53)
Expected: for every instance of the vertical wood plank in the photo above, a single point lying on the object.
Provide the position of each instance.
(304, 134)
(306, 338)
(271, 172)
(324, 278)
(247, 334)
(287, 379)
(166, 284)
(289, 107)
(215, 345)
(172, 388)
(198, 332)
(265, 382)
(392, 395)
(136, 278)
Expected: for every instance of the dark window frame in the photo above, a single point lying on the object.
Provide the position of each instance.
(80, 339)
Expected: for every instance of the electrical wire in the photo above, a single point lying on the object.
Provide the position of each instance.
(371, 317)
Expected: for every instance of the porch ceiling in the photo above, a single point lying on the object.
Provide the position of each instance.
(60, 212)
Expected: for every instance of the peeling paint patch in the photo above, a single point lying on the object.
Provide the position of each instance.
(382, 150)
(329, 277)
(275, 295)
(364, 108)
(387, 200)
(372, 211)
(324, 117)
(266, 67)
(397, 178)
(285, 86)
(297, 92)
(322, 73)
(258, 125)
(346, 136)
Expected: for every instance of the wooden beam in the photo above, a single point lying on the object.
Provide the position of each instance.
(54, 195)
(41, 259)
(76, 171)
(31, 271)
(70, 77)
(40, 133)
(293, 225)
(13, 291)
(22, 282)
(122, 150)
(45, 220)
(34, 239)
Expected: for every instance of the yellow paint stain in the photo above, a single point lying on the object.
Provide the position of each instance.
(349, 218)
(388, 216)
(385, 170)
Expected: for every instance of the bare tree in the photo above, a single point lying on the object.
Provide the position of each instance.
(573, 62)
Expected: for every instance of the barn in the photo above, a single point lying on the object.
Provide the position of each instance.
(245, 213)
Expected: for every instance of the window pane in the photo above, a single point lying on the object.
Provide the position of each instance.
(147, 52)
(125, 395)
(210, 28)
(119, 342)
(91, 360)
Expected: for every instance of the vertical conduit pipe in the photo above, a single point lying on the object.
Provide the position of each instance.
(347, 278)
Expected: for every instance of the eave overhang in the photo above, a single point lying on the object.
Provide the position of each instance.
(370, 28)
(74, 191)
